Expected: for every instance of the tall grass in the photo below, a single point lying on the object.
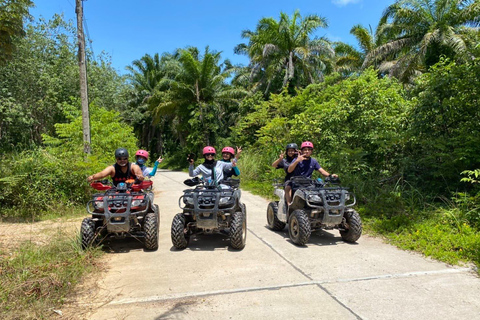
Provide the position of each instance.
(35, 279)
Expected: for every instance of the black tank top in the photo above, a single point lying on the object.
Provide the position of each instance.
(120, 176)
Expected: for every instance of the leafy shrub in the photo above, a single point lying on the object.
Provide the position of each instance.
(54, 176)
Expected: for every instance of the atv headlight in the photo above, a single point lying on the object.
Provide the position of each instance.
(224, 200)
(98, 204)
(188, 200)
(137, 203)
(315, 198)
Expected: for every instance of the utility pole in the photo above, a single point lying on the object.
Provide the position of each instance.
(83, 78)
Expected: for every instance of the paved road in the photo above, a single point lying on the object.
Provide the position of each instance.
(273, 278)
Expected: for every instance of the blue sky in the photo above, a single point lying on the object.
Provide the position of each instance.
(126, 30)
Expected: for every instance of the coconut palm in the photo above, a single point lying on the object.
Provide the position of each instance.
(146, 76)
(419, 32)
(282, 52)
(198, 95)
(348, 58)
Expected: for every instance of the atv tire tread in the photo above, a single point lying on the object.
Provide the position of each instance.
(238, 232)
(151, 231)
(87, 231)
(302, 232)
(179, 240)
(275, 225)
(355, 227)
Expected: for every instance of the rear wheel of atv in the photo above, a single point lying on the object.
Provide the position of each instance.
(87, 231)
(272, 218)
(352, 226)
(238, 230)
(299, 227)
(151, 231)
(179, 236)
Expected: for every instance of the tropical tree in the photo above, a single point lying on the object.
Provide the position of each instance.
(348, 58)
(419, 32)
(12, 15)
(146, 77)
(198, 97)
(283, 53)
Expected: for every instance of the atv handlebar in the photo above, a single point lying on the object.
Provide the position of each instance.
(106, 185)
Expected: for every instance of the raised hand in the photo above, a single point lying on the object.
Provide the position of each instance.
(300, 157)
(239, 150)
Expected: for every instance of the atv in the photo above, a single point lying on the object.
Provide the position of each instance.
(315, 205)
(208, 208)
(121, 211)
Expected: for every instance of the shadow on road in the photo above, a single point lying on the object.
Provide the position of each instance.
(319, 238)
(123, 246)
(177, 311)
(208, 242)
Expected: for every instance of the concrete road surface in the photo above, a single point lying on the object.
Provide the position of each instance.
(272, 278)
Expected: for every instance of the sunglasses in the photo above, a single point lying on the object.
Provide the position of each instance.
(122, 159)
(210, 154)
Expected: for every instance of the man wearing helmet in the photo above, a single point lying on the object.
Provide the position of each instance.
(210, 168)
(304, 165)
(283, 163)
(228, 154)
(141, 157)
(121, 171)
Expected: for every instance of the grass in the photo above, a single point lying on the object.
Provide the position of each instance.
(435, 233)
(36, 279)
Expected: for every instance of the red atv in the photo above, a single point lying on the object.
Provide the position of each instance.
(126, 210)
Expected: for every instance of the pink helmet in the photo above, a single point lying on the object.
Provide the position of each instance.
(142, 153)
(229, 150)
(306, 144)
(208, 149)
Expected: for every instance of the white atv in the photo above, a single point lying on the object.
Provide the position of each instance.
(316, 205)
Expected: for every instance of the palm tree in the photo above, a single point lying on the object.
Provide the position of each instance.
(282, 52)
(349, 59)
(198, 95)
(146, 76)
(419, 32)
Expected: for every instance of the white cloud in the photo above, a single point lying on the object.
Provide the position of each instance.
(342, 3)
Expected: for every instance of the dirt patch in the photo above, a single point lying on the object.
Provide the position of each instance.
(12, 235)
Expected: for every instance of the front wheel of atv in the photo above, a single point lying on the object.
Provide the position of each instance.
(299, 227)
(87, 231)
(151, 231)
(352, 226)
(179, 236)
(238, 230)
(272, 217)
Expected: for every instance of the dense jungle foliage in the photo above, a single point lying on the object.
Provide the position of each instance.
(397, 118)
(395, 115)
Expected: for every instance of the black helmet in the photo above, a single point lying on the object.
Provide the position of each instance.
(121, 153)
(291, 146)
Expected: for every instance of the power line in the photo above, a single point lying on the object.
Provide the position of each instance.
(88, 34)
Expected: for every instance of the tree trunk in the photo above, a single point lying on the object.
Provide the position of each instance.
(83, 78)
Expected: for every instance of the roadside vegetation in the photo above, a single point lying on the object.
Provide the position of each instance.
(37, 279)
(396, 118)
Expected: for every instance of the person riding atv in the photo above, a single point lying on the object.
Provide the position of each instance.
(213, 206)
(121, 171)
(315, 204)
(124, 209)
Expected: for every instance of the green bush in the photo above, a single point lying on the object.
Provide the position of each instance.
(46, 179)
